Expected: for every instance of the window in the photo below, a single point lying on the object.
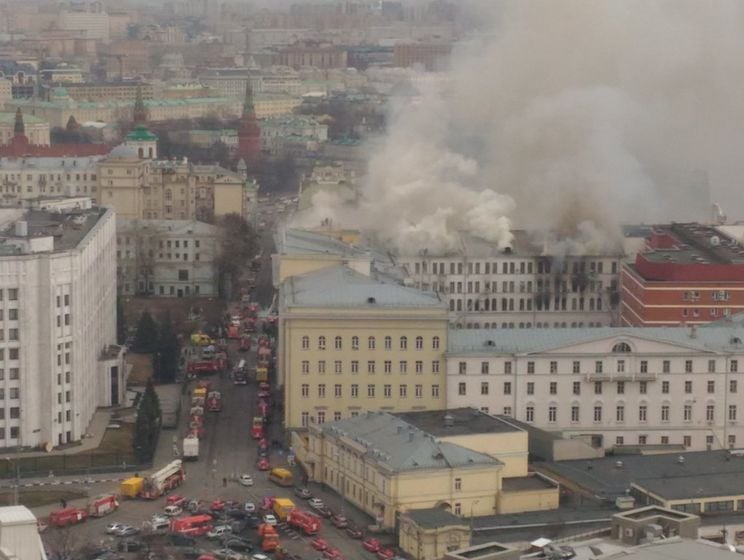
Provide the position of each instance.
(530, 414)
(644, 366)
(461, 389)
(576, 367)
(621, 348)
(507, 368)
(403, 366)
(530, 367)
(337, 366)
(687, 413)
(337, 391)
(597, 387)
(688, 366)
(621, 366)
(435, 391)
(577, 387)
(553, 367)
(574, 413)
(530, 388)
(435, 366)
(321, 391)
(598, 366)
(435, 343)
(305, 390)
(370, 366)
(388, 343)
(355, 366)
(733, 386)
(484, 368)
(403, 391)
(666, 366)
(620, 413)
(621, 387)
(711, 366)
(458, 508)
(642, 413)
(419, 343)
(688, 387)
(507, 387)
(553, 387)
(458, 484)
(665, 387)
(338, 343)
(598, 413)
(12, 294)
(687, 441)
(552, 413)
(371, 343)
(305, 366)
(355, 343)
(711, 385)
(484, 388)
(355, 391)
(732, 413)
(371, 391)
(403, 343)
(642, 439)
(710, 412)
(734, 367)
(419, 391)
(619, 440)
(388, 365)
(387, 391)
(643, 387)
(321, 343)
(419, 366)
(321, 417)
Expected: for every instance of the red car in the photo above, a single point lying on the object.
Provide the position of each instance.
(175, 500)
(263, 386)
(217, 505)
(386, 554)
(263, 464)
(333, 554)
(319, 544)
(373, 545)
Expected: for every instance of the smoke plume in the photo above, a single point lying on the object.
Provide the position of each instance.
(570, 116)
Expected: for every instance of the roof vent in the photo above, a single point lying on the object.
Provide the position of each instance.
(681, 460)
(371, 300)
(449, 420)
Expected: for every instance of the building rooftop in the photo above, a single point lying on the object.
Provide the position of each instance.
(677, 550)
(702, 473)
(67, 230)
(400, 446)
(531, 341)
(75, 164)
(16, 515)
(693, 243)
(434, 518)
(167, 227)
(525, 483)
(456, 422)
(341, 287)
(291, 241)
(141, 134)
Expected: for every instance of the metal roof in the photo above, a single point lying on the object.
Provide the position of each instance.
(16, 515)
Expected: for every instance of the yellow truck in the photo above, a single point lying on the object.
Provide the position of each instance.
(201, 339)
(200, 392)
(131, 487)
(282, 507)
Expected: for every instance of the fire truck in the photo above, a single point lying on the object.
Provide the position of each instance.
(269, 537)
(155, 485)
(307, 522)
(257, 427)
(214, 401)
(103, 505)
(194, 525)
(67, 516)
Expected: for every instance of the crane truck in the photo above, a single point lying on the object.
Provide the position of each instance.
(156, 484)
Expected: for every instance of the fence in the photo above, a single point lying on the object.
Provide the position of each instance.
(61, 465)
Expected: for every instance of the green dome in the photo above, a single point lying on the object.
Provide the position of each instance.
(141, 134)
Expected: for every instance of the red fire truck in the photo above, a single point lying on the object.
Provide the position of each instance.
(214, 401)
(195, 525)
(257, 428)
(67, 516)
(307, 522)
(103, 505)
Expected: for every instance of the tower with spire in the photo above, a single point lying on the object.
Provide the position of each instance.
(249, 133)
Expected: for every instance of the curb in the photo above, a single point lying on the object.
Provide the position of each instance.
(65, 482)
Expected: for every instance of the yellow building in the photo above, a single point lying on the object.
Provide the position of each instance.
(428, 534)
(275, 104)
(385, 464)
(349, 343)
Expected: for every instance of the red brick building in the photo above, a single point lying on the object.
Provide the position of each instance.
(687, 273)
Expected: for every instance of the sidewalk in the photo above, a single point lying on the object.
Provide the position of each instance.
(92, 439)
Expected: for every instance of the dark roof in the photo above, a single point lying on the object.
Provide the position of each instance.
(524, 483)
(465, 421)
(702, 486)
(702, 473)
(434, 518)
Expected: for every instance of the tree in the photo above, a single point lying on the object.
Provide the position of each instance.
(168, 353)
(65, 544)
(146, 338)
(147, 425)
(238, 246)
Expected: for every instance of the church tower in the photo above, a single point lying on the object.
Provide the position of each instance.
(249, 133)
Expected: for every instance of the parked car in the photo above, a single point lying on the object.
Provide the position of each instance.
(302, 493)
(259, 556)
(227, 554)
(177, 539)
(333, 554)
(112, 528)
(235, 543)
(340, 521)
(236, 513)
(316, 503)
(249, 507)
(373, 545)
(263, 464)
(217, 505)
(246, 480)
(126, 531)
(219, 531)
(269, 519)
(324, 512)
(319, 543)
(386, 553)
(130, 545)
(354, 532)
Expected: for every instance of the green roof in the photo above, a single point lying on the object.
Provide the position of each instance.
(141, 134)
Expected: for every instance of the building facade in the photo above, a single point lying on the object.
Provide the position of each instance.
(59, 325)
(111, 91)
(36, 130)
(174, 258)
(349, 343)
(25, 178)
(520, 287)
(609, 386)
(687, 274)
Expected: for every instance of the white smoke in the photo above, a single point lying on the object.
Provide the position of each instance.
(569, 116)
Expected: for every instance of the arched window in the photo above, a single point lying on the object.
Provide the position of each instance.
(388, 343)
(371, 343)
(419, 343)
(355, 343)
(338, 343)
(305, 342)
(403, 343)
(621, 348)
(321, 343)
(435, 343)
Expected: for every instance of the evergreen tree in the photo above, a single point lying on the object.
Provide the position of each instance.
(168, 352)
(147, 425)
(146, 339)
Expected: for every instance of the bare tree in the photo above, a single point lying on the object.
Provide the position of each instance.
(64, 543)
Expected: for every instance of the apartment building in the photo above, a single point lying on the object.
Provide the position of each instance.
(28, 178)
(520, 287)
(173, 258)
(110, 91)
(608, 386)
(57, 324)
(349, 343)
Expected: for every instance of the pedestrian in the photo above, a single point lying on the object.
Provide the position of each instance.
(224, 482)
(63, 502)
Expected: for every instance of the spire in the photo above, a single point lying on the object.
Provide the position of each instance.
(139, 113)
(248, 109)
(19, 129)
(72, 124)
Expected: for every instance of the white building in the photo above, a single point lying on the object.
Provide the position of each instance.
(58, 324)
(19, 535)
(275, 130)
(22, 178)
(93, 24)
(608, 387)
(167, 258)
(521, 287)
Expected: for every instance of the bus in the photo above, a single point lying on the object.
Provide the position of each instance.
(280, 476)
(195, 525)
